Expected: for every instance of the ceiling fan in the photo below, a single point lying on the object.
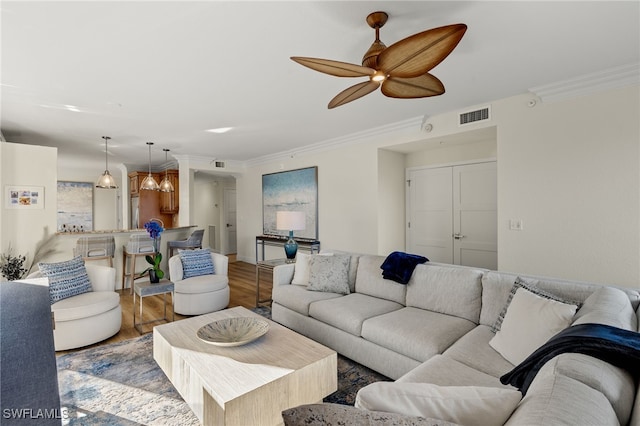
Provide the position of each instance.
(402, 69)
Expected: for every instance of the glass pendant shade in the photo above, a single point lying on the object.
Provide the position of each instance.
(149, 183)
(106, 180)
(165, 184)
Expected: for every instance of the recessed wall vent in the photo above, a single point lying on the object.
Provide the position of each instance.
(468, 117)
(220, 164)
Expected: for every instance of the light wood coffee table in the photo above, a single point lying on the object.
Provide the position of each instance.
(244, 385)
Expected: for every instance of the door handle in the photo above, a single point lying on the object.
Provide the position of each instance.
(458, 236)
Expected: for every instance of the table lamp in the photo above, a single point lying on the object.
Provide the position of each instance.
(290, 221)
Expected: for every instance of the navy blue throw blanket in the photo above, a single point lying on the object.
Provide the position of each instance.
(614, 345)
(399, 266)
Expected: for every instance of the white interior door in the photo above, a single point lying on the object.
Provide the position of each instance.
(230, 221)
(452, 214)
(475, 201)
(430, 214)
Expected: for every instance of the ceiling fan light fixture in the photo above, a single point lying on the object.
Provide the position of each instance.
(106, 181)
(149, 183)
(379, 76)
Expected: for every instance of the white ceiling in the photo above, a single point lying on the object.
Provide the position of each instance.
(167, 71)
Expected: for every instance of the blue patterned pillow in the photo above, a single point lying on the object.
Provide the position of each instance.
(196, 262)
(66, 279)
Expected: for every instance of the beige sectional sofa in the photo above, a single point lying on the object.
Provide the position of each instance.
(438, 331)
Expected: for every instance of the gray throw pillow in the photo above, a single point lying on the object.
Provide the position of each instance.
(329, 274)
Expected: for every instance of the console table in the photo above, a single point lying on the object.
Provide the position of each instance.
(279, 240)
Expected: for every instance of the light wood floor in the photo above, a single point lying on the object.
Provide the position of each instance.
(242, 284)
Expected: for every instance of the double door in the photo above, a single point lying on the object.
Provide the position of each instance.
(452, 214)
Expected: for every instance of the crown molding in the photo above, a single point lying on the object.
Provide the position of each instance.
(612, 78)
(411, 124)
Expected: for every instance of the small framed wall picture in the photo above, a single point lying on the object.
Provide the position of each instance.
(24, 197)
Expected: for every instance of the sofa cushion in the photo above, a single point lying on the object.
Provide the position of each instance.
(609, 306)
(298, 298)
(329, 274)
(369, 280)
(444, 371)
(416, 333)
(465, 405)
(196, 262)
(85, 305)
(519, 335)
(337, 414)
(66, 279)
(473, 349)
(616, 384)
(347, 313)
(202, 284)
(555, 399)
(449, 290)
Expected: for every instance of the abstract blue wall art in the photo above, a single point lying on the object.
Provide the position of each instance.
(293, 190)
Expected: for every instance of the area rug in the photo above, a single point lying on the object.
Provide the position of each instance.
(121, 384)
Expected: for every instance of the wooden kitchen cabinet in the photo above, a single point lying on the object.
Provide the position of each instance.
(136, 178)
(169, 201)
(149, 202)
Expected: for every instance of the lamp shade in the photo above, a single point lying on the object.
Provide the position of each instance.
(290, 221)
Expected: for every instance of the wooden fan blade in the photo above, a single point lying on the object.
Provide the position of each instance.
(337, 68)
(414, 87)
(353, 93)
(417, 54)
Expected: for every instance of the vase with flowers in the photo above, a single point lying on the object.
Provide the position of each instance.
(155, 273)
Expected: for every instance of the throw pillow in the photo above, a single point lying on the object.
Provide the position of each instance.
(520, 283)
(529, 322)
(196, 262)
(465, 405)
(329, 274)
(301, 269)
(66, 279)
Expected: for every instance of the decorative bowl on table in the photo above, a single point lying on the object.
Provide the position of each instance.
(233, 331)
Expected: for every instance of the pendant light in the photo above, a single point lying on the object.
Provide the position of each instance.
(149, 183)
(106, 180)
(165, 185)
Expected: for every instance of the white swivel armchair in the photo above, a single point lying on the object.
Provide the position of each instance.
(200, 294)
(86, 318)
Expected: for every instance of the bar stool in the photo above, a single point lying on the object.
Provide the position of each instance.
(139, 245)
(96, 248)
(193, 242)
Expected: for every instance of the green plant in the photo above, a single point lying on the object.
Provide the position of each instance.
(12, 267)
(154, 229)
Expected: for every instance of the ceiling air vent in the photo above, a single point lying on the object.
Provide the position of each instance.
(220, 164)
(482, 114)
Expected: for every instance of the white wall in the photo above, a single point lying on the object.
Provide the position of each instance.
(347, 199)
(208, 206)
(391, 193)
(31, 166)
(107, 208)
(480, 150)
(570, 170)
